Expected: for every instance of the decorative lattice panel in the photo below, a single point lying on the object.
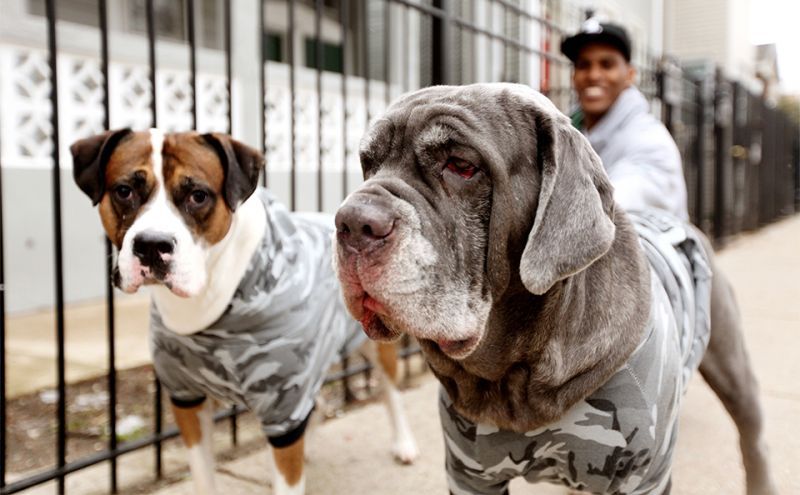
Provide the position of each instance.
(26, 111)
(25, 122)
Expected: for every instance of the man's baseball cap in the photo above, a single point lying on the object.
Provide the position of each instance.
(593, 31)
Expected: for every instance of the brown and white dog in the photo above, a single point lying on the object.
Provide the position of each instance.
(180, 209)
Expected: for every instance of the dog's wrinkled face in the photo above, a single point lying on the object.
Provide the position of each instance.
(165, 200)
(451, 216)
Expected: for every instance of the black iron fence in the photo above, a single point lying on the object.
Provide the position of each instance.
(369, 30)
(740, 156)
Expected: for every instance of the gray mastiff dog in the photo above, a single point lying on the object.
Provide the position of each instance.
(562, 329)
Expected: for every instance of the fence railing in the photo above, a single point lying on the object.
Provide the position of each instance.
(309, 117)
(740, 155)
(305, 96)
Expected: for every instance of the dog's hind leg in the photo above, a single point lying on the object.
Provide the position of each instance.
(726, 367)
(404, 448)
(195, 421)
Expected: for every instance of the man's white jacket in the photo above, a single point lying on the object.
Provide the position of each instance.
(640, 156)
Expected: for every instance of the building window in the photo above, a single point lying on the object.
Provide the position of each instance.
(169, 17)
(78, 11)
(331, 8)
(331, 55)
(272, 44)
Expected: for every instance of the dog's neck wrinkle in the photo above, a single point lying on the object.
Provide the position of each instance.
(556, 354)
(226, 263)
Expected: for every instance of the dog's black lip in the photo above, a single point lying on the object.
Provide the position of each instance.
(116, 278)
(157, 276)
(377, 330)
(453, 346)
(454, 351)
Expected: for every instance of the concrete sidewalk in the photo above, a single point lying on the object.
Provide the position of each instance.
(31, 348)
(350, 455)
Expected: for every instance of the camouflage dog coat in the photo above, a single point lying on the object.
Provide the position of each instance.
(284, 327)
(620, 439)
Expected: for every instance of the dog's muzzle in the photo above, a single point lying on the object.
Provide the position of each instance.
(365, 234)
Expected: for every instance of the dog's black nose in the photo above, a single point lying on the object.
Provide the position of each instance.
(152, 247)
(361, 225)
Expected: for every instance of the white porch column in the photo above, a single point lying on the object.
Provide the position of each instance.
(245, 41)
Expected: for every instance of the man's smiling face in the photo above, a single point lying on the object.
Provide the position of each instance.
(600, 74)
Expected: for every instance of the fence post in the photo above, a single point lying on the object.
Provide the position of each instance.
(766, 172)
(61, 409)
(438, 46)
(246, 40)
(3, 403)
(782, 185)
(669, 79)
(699, 153)
(722, 118)
(795, 164)
(755, 125)
(740, 142)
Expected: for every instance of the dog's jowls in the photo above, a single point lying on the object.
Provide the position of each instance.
(486, 228)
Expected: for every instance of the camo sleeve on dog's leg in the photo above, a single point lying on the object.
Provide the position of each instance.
(466, 475)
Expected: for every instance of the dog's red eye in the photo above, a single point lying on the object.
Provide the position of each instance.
(461, 167)
(198, 197)
(123, 193)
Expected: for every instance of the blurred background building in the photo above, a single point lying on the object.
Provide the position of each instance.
(712, 32)
(389, 48)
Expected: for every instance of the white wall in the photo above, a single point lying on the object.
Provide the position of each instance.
(715, 30)
(741, 57)
(699, 30)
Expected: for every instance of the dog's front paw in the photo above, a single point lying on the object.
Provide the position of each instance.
(405, 450)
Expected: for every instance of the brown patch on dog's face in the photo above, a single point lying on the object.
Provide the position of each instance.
(194, 179)
(129, 182)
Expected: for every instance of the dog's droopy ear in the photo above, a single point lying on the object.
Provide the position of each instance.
(572, 227)
(242, 165)
(89, 159)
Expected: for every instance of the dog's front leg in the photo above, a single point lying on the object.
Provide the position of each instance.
(289, 477)
(196, 424)
(404, 447)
